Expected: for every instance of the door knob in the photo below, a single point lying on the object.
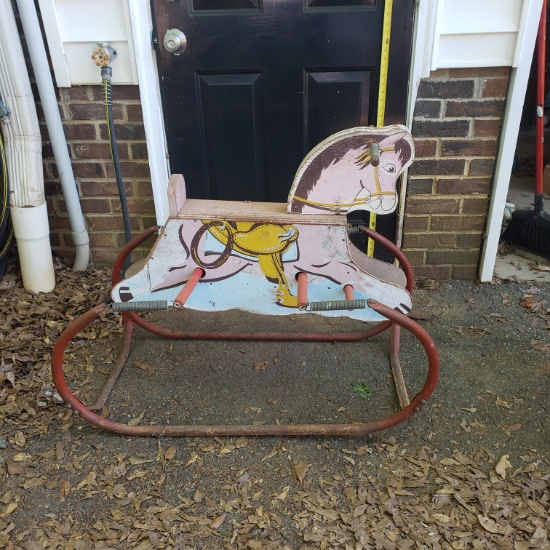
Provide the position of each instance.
(175, 41)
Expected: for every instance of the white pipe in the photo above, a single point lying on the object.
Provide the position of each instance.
(23, 148)
(41, 67)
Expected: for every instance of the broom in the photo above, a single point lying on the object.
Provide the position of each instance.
(530, 229)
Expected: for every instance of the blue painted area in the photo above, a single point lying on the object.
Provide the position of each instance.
(257, 295)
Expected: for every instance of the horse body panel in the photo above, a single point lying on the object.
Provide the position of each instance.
(251, 259)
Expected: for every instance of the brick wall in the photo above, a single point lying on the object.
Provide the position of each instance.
(83, 114)
(456, 129)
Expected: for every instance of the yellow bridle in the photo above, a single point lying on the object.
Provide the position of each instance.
(364, 159)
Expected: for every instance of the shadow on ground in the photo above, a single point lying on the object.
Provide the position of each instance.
(470, 471)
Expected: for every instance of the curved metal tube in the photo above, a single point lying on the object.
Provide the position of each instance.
(396, 320)
(249, 430)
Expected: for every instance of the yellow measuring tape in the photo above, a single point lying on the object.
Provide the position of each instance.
(382, 90)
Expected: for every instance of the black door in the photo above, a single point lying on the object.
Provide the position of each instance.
(263, 81)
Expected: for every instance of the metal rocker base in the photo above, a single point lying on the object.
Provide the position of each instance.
(395, 321)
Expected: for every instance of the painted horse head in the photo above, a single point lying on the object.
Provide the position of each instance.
(356, 169)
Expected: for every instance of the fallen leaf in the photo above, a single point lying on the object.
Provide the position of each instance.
(508, 429)
(299, 469)
(260, 366)
(217, 523)
(502, 465)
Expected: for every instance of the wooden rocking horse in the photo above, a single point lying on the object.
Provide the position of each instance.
(276, 259)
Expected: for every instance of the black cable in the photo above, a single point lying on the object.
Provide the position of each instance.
(7, 237)
(106, 73)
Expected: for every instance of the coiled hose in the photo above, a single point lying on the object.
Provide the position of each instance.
(6, 228)
(106, 75)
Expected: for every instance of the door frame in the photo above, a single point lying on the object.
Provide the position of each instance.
(150, 94)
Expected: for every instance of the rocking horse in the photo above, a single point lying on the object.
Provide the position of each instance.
(292, 258)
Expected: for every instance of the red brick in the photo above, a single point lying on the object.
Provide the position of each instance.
(143, 189)
(92, 111)
(416, 257)
(440, 128)
(420, 186)
(463, 186)
(137, 206)
(111, 223)
(457, 223)
(464, 272)
(430, 108)
(452, 257)
(487, 127)
(474, 109)
(96, 206)
(469, 240)
(88, 169)
(98, 150)
(481, 167)
(76, 93)
(120, 92)
(124, 131)
(479, 72)
(443, 167)
(59, 222)
(446, 89)
(135, 169)
(436, 272)
(139, 151)
(425, 147)
(475, 205)
(431, 205)
(429, 240)
(104, 256)
(416, 223)
(134, 112)
(104, 189)
(468, 148)
(80, 132)
(494, 87)
(105, 240)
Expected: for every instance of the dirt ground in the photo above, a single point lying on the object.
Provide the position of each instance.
(471, 470)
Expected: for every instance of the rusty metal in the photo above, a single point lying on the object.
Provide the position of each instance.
(188, 287)
(302, 290)
(126, 251)
(395, 321)
(243, 430)
(395, 363)
(117, 368)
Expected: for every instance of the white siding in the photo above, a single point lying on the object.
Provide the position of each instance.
(476, 33)
(73, 29)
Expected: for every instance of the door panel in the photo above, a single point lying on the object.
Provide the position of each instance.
(263, 81)
(315, 67)
(233, 157)
(333, 96)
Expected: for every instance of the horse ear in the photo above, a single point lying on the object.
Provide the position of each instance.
(393, 139)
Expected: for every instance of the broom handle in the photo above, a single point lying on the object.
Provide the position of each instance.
(541, 73)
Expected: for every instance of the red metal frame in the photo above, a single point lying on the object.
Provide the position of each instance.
(395, 322)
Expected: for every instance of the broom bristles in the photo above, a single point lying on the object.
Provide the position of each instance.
(529, 231)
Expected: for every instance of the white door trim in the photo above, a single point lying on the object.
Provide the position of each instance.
(513, 108)
(141, 19)
(149, 90)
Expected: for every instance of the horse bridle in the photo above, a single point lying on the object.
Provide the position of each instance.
(371, 156)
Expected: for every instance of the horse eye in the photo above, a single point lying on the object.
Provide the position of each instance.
(390, 167)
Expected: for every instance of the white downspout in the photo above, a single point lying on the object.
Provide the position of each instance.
(23, 146)
(41, 68)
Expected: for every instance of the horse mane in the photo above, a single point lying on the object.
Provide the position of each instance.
(335, 153)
